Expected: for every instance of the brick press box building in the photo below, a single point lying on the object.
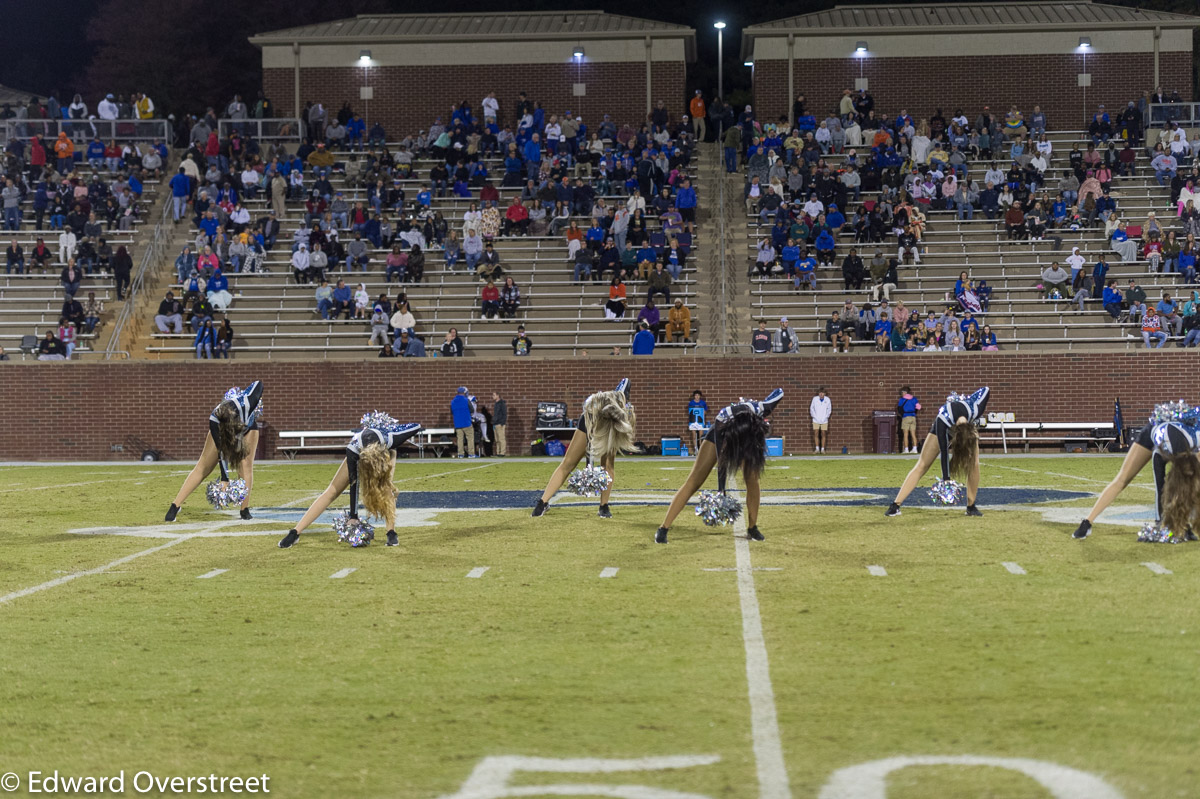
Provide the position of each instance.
(406, 69)
(1066, 56)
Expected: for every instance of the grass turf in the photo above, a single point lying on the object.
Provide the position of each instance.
(398, 679)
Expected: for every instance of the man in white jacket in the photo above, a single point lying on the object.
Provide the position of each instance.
(820, 409)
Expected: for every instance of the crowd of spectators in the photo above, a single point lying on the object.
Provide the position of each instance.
(995, 165)
(563, 170)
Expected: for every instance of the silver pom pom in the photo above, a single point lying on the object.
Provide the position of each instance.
(226, 495)
(590, 481)
(715, 508)
(947, 492)
(378, 420)
(236, 392)
(355, 532)
(1177, 411)
(1152, 533)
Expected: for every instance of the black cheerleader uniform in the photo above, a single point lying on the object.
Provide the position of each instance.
(972, 407)
(248, 403)
(763, 409)
(1164, 439)
(390, 439)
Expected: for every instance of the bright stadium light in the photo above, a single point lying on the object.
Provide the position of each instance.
(364, 55)
(577, 52)
(1085, 42)
(747, 63)
(719, 26)
(861, 47)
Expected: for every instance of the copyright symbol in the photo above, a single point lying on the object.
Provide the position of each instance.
(10, 781)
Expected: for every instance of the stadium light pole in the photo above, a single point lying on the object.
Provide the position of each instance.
(720, 26)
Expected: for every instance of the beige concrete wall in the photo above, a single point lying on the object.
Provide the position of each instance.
(882, 45)
(442, 53)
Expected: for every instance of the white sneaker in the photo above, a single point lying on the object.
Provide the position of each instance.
(816, 449)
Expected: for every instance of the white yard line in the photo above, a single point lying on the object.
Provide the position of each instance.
(609, 571)
(446, 474)
(87, 573)
(342, 573)
(478, 572)
(1013, 568)
(1157, 568)
(764, 721)
(877, 571)
(1074, 477)
(72, 485)
(211, 574)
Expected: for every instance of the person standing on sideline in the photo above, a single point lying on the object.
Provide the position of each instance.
(907, 407)
(499, 424)
(464, 434)
(820, 410)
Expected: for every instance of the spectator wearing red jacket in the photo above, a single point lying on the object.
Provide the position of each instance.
(516, 218)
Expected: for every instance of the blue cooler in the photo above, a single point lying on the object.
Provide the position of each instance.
(671, 446)
(774, 447)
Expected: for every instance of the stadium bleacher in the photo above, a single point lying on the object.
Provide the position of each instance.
(275, 317)
(1017, 314)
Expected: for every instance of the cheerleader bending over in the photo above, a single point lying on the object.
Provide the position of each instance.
(230, 443)
(605, 428)
(370, 464)
(955, 438)
(1176, 491)
(738, 440)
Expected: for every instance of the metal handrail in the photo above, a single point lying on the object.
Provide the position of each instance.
(289, 129)
(80, 129)
(152, 253)
(721, 234)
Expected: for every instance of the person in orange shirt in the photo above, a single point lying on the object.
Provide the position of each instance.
(64, 150)
(696, 106)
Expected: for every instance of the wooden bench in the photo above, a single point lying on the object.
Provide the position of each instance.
(438, 439)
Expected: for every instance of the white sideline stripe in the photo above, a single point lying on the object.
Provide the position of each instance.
(211, 574)
(478, 572)
(877, 571)
(764, 722)
(609, 571)
(340, 573)
(755, 569)
(66, 578)
(1013, 568)
(1157, 568)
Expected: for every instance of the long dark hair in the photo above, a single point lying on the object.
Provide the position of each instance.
(743, 443)
(1181, 494)
(230, 440)
(964, 446)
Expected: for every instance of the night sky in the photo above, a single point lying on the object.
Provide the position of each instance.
(190, 53)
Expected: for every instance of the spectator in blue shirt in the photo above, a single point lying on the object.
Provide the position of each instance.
(790, 254)
(883, 332)
(533, 156)
(343, 300)
(460, 413)
(95, 153)
(806, 272)
(824, 245)
(643, 341)
(685, 202)
(1112, 300)
(356, 129)
(181, 189)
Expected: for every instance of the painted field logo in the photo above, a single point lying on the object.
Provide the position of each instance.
(492, 777)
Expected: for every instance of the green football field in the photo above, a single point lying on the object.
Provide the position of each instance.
(848, 656)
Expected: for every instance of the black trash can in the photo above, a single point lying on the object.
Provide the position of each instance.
(885, 431)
